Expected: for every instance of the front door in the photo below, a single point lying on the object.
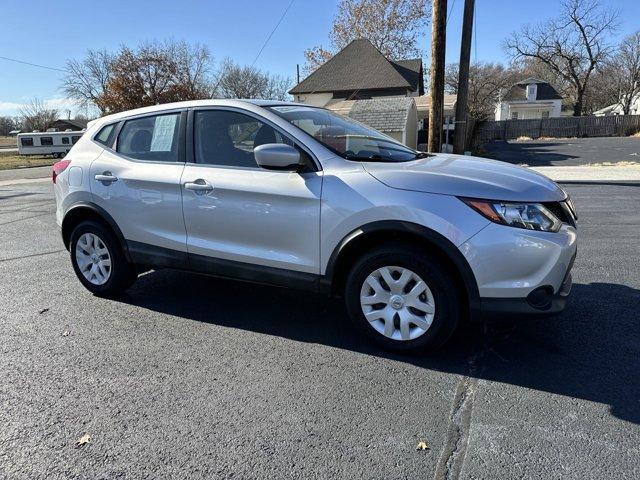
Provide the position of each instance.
(240, 216)
(138, 184)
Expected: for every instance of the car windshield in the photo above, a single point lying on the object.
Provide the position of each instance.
(344, 136)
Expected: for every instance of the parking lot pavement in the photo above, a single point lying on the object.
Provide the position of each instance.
(566, 151)
(189, 376)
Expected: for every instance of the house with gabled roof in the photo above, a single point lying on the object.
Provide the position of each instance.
(360, 71)
(529, 99)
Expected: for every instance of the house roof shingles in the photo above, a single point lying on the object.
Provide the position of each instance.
(361, 66)
(387, 114)
(518, 92)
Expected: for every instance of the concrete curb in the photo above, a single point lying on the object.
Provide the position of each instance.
(591, 174)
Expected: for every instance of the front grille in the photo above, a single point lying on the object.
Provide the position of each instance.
(562, 211)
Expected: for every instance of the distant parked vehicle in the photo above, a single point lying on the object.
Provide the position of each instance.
(57, 144)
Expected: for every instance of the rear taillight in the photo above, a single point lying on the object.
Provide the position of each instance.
(58, 168)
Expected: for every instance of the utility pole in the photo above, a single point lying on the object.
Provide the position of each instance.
(459, 139)
(438, 46)
(298, 72)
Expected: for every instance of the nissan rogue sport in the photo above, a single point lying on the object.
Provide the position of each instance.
(296, 196)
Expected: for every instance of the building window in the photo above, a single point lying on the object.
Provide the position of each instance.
(46, 141)
(532, 91)
(26, 141)
(65, 140)
(545, 114)
(75, 138)
(514, 115)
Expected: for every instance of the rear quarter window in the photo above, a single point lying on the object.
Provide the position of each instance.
(104, 135)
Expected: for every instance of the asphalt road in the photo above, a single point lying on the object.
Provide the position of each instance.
(566, 151)
(191, 377)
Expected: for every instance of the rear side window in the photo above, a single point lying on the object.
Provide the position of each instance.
(152, 138)
(46, 141)
(26, 142)
(104, 134)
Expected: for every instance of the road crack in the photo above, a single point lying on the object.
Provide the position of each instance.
(453, 453)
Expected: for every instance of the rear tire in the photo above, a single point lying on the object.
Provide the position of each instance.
(402, 313)
(98, 260)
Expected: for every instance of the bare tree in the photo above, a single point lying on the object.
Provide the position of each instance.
(486, 81)
(87, 79)
(395, 27)
(236, 81)
(624, 71)
(36, 115)
(571, 45)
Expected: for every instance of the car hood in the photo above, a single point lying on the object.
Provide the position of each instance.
(466, 176)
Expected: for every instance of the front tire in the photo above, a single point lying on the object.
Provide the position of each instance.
(403, 298)
(98, 260)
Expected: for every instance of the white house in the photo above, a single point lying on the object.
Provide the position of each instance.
(529, 99)
(616, 108)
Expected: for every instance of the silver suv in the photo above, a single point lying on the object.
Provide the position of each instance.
(296, 196)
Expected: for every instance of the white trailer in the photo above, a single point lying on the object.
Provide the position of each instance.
(57, 144)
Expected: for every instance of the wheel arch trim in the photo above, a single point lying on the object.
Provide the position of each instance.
(445, 245)
(76, 209)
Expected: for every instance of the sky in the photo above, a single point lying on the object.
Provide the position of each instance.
(49, 33)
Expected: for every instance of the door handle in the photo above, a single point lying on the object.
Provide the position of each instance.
(200, 186)
(106, 177)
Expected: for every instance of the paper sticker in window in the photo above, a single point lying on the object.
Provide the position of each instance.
(163, 129)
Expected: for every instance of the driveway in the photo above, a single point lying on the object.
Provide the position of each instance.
(191, 377)
(566, 151)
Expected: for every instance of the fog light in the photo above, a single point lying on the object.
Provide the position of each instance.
(541, 297)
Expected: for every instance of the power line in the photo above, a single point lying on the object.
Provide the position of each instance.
(32, 64)
(450, 10)
(272, 32)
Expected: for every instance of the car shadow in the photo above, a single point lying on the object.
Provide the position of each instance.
(534, 154)
(589, 352)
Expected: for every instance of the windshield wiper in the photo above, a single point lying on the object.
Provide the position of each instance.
(372, 158)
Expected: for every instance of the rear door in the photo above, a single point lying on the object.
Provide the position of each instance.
(137, 181)
(244, 213)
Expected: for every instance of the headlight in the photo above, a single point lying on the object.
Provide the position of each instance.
(531, 216)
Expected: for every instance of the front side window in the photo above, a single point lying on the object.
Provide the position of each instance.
(228, 138)
(344, 136)
(45, 141)
(26, 142)
(153, 138)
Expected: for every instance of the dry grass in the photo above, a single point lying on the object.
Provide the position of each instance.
(9, 160)
(623, 163)
(8, 142)
(524, 139)
(637, 135)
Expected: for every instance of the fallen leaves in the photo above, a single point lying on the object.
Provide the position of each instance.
(422, 445)
(83, 440)
(44, 310)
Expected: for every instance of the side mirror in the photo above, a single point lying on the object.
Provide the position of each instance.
(277, 156)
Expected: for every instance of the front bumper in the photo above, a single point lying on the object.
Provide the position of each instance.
(541, 302)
